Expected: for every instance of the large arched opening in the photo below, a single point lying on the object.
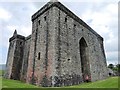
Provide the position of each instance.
(85, 66)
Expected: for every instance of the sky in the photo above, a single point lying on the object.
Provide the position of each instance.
(101, 15)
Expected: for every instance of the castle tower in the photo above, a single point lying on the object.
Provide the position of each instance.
(64, 49)
(15, 56)
(61, 51)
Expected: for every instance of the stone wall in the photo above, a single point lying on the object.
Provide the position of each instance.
(42, 49)
(15, 57)
(9, 60)
(68, 35)
(55, 54)
(67, 67)
(61, 50)
(25, 58)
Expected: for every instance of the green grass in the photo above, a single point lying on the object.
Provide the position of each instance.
(7, 83)
(111, 82)
(1, 72)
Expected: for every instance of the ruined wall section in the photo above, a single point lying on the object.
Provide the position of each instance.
(25, 58)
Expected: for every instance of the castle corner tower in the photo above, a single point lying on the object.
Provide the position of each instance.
(15, 56)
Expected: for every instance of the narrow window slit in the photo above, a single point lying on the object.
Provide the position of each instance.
(65, 19)
(68, 59)
(45, 18)
(39, 22)
(39, 56)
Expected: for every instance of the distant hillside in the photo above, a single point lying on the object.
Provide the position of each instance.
(2, 66)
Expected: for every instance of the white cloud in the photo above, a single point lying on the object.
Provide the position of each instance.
(102, 17)
(22, 30)
(112, 8)
(11, 28)
(6, 34)
(98, 1)
(26, 30)
(4, 14)
(104, 21)
(112, 57)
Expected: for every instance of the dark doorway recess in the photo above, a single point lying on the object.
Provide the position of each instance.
(85, 66)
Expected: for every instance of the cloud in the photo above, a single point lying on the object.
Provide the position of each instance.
(112, 57)
(101, 15)
(16, 16)
(4, 14)
(21, 20)
(98, 1)
(104, 21)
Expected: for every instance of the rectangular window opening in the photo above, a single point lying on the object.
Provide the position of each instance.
(45, 18)
(39, 56)
(39, 22)
(74, 25)
(66, 19)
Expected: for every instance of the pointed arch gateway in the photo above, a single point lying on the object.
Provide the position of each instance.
(85, 66)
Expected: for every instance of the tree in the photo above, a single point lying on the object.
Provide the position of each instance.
(111, 66)
(118, 68)
(115, 68)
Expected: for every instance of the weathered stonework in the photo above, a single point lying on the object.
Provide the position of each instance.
(61, 50)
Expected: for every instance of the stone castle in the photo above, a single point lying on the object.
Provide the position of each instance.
(61, 50)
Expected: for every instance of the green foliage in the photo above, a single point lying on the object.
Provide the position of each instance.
(115, 68)
(111, 66)
(118, 67)
(111, 82)
(1, 73)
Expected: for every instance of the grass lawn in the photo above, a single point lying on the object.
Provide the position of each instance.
(111, 82)
(1, 71)
(7, 83)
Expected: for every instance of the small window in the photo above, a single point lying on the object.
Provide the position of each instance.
(20, 43)
(66, 19)
(39, 56)
(74, 25)
(45, 18)
(39, 22)
(68, 59)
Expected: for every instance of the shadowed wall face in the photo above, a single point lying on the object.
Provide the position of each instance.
(17, 60)
(15, 57)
